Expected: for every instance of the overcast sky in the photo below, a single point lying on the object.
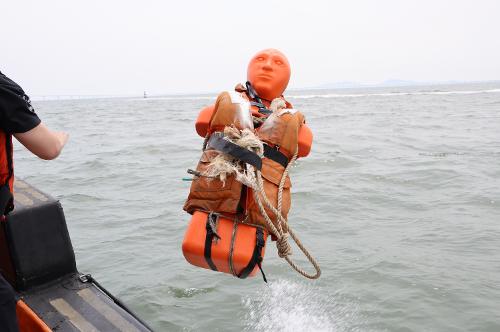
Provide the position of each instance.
(126, 47)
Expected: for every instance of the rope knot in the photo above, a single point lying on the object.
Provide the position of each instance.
(283, 246)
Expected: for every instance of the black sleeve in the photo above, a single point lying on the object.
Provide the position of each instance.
(16, 113)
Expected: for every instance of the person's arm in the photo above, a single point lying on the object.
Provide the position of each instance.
(43, 142)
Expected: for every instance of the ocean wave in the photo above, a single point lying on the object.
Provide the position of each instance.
(394, 94)
(305, 96)
(188, 292)
(176, 98)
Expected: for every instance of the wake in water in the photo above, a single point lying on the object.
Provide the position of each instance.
(293, 306)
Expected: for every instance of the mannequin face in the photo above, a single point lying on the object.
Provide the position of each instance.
(269, 73)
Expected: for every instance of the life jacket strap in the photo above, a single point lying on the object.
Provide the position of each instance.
(276, 155)
(217, 142)
(262, 108)
(211, 233)
(257, 101)
(256, 256)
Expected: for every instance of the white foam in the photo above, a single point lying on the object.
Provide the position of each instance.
(393, 94)
(177, 98)
(291, 306)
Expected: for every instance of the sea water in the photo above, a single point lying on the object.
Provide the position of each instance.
(399, 201)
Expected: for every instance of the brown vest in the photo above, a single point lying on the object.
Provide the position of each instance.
(213, 195)
(280, 132)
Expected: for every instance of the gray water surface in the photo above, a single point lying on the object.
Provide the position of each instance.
(399, 201)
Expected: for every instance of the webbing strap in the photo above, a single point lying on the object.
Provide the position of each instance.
(275, 155)
(262, 108)
(217, 142)
(211, 233)
(258, 101)
(256, 256)
(252, 93)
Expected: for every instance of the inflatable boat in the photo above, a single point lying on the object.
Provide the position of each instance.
(37, 259)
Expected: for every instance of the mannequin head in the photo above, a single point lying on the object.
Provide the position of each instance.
(269, 73)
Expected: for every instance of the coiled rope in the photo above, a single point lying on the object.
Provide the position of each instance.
(282, 244)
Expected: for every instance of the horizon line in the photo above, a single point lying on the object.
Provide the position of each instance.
(341, 85)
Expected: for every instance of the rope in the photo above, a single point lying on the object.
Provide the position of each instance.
(284, 249)
(231, 248)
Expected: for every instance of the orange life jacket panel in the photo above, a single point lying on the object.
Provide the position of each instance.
(224, 245)
(202, 125)
(223, 114)
(282, 131)
(207, 194)
(279, 131)
(271, 177)
(231, 108)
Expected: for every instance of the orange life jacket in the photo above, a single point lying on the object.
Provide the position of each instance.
(281, 138)
(6, 173)
(222, 244)
(227, 233)
(281, 135)
(214, 195)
